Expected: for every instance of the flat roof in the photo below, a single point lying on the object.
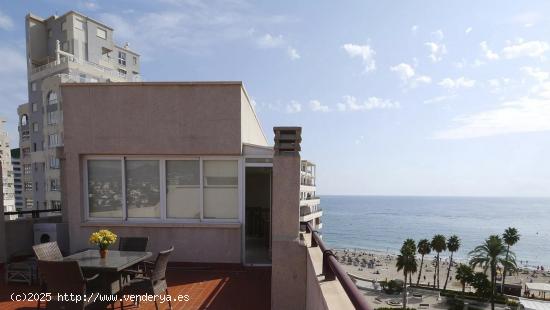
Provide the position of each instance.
(158, 83)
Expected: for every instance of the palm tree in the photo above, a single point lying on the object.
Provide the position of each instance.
(453, 244)
(490, 255)
(424, 248)
(406, 261)
(511, 237)
(464, 274)
(438, 244)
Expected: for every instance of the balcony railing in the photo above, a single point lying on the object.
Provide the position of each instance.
(332, 271)
(308, 211)
(34, 213)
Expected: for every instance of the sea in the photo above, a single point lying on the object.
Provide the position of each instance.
(382, 223)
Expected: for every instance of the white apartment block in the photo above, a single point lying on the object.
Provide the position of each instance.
(71, 48)
(310, 210)
(7, 171)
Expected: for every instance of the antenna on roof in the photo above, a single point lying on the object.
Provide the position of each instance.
(127, 45)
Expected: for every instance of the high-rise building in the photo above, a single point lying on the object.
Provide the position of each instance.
(17, 178)
(7, 170)
(71, 48)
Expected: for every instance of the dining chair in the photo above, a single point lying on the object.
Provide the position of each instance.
(153, 282)
(48, 251)
(136, 244)
(72, 282)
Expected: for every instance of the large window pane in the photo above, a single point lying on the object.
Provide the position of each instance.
(183, 189)
(143, 188)
(221, 193)
(105, 188)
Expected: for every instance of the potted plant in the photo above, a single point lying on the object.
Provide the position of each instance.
(103, 239)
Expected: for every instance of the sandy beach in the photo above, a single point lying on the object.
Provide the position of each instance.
(383, 268)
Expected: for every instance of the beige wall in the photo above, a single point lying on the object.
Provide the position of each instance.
(252, 132)
(289, 256)
(152, 119)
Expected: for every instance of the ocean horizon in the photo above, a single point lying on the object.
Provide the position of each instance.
(382, 223)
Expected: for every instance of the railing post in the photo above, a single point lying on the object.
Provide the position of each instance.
(327, 270)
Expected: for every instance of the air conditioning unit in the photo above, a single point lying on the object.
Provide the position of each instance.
(48, 232)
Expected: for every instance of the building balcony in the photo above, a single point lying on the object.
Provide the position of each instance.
(104, 72)
(310, 201)
(310, 215)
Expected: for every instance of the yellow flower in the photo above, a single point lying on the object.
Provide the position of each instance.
(103, 238)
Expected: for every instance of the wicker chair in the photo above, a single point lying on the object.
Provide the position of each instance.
(152, 282)
(47, 251)
(136, 244)
(72, 282)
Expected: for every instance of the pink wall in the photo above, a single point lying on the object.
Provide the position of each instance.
(151, 119)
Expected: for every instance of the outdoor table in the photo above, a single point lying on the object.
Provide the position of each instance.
(108, 268)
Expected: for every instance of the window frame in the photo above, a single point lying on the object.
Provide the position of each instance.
(163, 219)
(99, 30)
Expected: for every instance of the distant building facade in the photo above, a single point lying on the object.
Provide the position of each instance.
(67, 48)
(310, 210)
(17, 178)
(7, 170)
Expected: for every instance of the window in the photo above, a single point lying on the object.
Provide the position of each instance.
(122, 58)
(54, 163)
(55, 204)
(143, 188)
(52, 98)
(33, 86)
(26, 151)
(29, 203)
(221, 194)
(34, 107)
(105, 188)
(24, 120)
(65, 46)
(183, 191)
(53, 140)
(156, 189)
(82, 78)
(52, 117)
(28, 186)
(102, 33)
(54, 185)
(122, 72)
(135, 60)
(27, 168)
(35, 127)
(78, 24)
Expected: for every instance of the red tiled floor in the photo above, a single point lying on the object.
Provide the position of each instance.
(213, 287)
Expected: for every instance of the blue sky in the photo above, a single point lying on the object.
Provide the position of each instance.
(396, 98)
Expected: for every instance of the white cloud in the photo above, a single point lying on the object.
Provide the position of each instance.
(489, 54)
(316, 106)
(518, 116)
(437, 50)
(536, 73)
(270, 41)
(438, 34)
(6, 22)
(293, 53)
(293, 107)
(439, 99)
(527, 18)
(359, 140)
(414, 29)
(455, 84)
(352, 104)
(408, 75)
(365, 52)
(525, 49)
(497, 85)
(468, 30)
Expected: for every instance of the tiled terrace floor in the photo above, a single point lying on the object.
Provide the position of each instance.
(226, 287)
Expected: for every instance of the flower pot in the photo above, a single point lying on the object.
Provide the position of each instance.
(102, 253)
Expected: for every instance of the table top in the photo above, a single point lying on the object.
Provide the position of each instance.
(115, 261)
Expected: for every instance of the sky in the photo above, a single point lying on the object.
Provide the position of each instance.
(394, 97)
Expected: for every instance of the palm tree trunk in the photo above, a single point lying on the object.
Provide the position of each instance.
(437, 270)
(405, 292)
(493, 279)
(420, 272)
(448, 272)
(504, 270)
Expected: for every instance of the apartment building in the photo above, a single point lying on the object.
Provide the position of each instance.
(17, 178)
(68, 48)
(8, 191)
(310, 210)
